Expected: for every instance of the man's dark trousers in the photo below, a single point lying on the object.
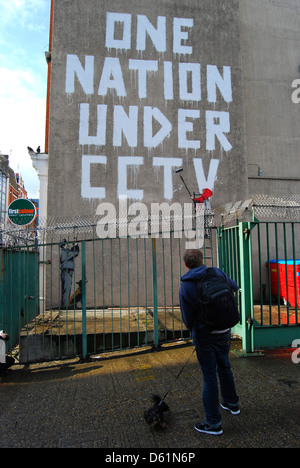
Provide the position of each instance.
(213, 356)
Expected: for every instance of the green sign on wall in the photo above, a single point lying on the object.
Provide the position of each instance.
(21, 212)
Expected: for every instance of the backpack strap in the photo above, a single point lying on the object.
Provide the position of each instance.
(211, 271)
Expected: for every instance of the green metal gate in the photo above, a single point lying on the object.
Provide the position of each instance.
(124, 291)
(263, 258)
(18, 290)
(124, 294)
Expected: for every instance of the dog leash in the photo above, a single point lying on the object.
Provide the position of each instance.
(181, 370)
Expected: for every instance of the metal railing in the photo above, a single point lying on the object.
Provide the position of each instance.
(123, 292)
(264, 259)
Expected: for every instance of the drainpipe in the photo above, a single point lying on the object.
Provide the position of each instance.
(40, 163)
(48, 60)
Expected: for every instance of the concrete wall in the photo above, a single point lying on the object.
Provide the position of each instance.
(127, 109)
(139, 88)
(270, 49)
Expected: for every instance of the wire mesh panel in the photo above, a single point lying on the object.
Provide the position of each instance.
(94, 294)
(276, 273)
(19, 286)
(100, 295)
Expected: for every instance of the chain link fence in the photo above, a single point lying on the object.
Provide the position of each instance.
(261, 207)
(161, 221)
(169, 218)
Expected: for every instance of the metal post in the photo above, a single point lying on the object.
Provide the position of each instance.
(246, 286)
(154, 283)
(84, 336)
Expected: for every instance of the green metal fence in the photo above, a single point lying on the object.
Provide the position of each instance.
(123, 292)
(263, 257)
(18, 290)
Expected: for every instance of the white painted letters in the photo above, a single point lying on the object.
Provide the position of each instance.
(157, 35)
(168, 165)
(217, 123)
(180, 35)
(143, 66)
(192, 70)
(184, 127)
(168, 81)
(87, 191)
(202, 181)
(112, 68)
(123, 163)
(84, 137)
(85, 75)
(111, 20)
(214, 80)
(127, 125)
(150, 140)
(131, 106)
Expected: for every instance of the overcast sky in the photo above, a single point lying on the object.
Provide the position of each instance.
(24, 39)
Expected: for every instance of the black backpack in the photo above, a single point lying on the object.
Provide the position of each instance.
(218, 305)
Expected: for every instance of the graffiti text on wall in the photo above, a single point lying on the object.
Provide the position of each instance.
(136, 125)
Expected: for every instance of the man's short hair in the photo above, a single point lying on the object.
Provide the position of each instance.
(193, 258)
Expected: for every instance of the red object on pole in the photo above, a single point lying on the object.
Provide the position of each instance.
(206, 194)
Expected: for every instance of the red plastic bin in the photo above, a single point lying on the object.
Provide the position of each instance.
(288, 270)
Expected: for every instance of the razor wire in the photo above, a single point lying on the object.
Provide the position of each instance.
(56, 229)
(261, 207)
(122, 223)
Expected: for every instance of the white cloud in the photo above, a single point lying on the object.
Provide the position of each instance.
(23, 77)
(21, 11)
(22, 123)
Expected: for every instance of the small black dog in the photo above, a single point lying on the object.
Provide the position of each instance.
(154, 416)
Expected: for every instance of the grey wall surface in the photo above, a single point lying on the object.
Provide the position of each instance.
(129, 106)
(270, 49)
(139, 88)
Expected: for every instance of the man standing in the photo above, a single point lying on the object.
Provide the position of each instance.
(212, 346)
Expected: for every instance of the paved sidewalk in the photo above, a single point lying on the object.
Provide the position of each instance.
(100, 403)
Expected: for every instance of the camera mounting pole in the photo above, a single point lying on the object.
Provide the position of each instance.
(177, 171)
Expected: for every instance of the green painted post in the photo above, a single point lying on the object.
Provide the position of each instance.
(154, 283)
(1, 288)
(84, 335)
(246, 286)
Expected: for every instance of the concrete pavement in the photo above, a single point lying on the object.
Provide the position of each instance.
(100, 403)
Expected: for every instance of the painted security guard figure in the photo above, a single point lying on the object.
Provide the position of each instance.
(67, 265)
(5, 361)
